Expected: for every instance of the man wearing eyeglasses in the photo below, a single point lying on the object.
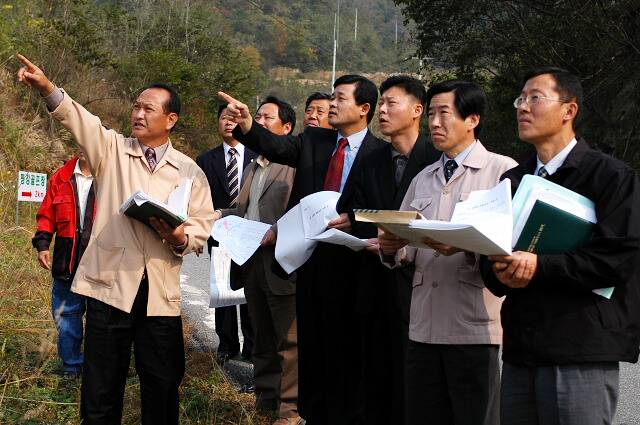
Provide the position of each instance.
(562, 342)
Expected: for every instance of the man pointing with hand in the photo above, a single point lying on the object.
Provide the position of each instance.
(329, 386)
(130, 273)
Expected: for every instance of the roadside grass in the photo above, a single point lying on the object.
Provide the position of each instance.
(30, 390)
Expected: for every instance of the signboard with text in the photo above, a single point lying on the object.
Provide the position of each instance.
(31, 186)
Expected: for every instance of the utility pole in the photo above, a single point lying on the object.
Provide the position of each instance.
(338, 27)
(355, 32)
(335, 48)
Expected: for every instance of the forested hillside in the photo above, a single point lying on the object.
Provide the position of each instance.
(104, 52)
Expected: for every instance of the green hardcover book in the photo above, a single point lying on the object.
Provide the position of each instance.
(148, 209)
(551, 230)
(142, 206)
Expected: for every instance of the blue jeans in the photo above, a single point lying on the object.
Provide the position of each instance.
(67, 309)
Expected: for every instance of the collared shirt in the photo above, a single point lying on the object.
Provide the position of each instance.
(461, 156)
(398, 174)
(240, 149)
(160, 150)
(555, 162)
(54, 99)
(257, 186)
(351, 150)
(83, 183)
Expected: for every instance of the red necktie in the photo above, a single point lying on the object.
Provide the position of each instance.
(333, 180)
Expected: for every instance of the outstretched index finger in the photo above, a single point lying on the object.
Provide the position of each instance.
(27, 62)
(228, 98)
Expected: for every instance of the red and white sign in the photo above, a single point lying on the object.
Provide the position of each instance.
(31, 186)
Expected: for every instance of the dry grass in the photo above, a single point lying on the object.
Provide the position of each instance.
(29, 390)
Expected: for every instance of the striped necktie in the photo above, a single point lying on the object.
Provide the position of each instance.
(542, 172)
(232, 177)
(150, 154)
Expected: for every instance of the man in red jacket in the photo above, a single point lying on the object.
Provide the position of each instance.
(68, 210)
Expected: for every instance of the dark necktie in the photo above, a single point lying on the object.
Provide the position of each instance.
(232, 177)
(450, 168)
(400, 162)
(333, 181)
(150, 154)
(542, 172)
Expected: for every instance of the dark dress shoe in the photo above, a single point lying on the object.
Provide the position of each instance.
(248, 388)
(222, 358)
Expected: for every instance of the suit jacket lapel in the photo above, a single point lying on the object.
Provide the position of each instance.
(323, 153)
(220, 167)
(415, 164)
(243, 197)
(274, 170)
(384, 177)
(368, 145)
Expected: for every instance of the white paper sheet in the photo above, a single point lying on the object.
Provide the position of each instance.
(337, 237)
(306, 220)
(239, 237)
(318, 210)
(220, 293)
(481, 224)
(292, 248)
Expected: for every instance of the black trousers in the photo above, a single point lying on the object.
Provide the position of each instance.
(330, 382)
(227, 330)
(384, 338)
(452, 384)
(159, 357)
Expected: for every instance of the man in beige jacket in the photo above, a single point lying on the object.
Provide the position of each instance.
(130, 272)
(452, 371)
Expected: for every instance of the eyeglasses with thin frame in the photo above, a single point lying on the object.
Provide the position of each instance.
(532, 99)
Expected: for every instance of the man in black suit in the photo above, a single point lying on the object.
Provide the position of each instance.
(328, 327)
(214, 164)
(384, 295)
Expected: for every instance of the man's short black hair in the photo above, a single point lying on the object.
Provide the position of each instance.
(174, 104)
(469, 98)
(286, 113)
(568, 85)
(316, 96)
(412, 86)
(222, 108)
(365, 91)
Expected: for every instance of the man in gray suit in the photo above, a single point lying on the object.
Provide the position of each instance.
(271, 300)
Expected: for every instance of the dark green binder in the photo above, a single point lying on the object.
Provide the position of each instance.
(550, 230)
(146, 210)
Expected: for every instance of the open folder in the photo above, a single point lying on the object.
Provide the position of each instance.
(480, 224)
(175, 212)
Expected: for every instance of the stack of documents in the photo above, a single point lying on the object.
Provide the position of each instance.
(481, 224)
(549, 219)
